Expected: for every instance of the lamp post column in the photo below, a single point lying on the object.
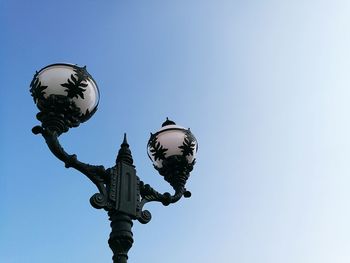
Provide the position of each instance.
(124, 194)
(121, 237)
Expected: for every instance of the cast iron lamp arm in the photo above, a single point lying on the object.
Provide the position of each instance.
(96, 173)
(149, 194)
(175, 171)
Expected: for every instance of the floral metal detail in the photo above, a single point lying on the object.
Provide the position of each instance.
(176, 170)
(87, 115)
(188, 145)
(58, 113)
(157, 150)
(37, 89)
(75, 85)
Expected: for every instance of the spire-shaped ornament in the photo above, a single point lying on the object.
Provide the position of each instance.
(124, 154)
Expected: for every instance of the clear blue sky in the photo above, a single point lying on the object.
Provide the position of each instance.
(264, 86)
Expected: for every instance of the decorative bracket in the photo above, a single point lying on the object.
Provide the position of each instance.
(96, 173)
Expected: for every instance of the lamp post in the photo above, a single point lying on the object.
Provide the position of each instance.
(66, 96)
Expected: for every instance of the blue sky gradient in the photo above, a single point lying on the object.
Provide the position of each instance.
(264, 86)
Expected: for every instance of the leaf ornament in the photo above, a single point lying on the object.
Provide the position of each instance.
(85, 116)
(82, 73)
(188, 146)
(157, 150)
(37, 89)
(75, 86)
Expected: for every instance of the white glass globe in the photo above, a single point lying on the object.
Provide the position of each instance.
(68, 80)
(171, 140)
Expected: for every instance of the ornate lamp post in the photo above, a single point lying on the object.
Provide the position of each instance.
(66, 96)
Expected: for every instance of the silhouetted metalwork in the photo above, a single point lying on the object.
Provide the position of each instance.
(121, 192)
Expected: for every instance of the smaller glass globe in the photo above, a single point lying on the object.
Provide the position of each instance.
(172, 140)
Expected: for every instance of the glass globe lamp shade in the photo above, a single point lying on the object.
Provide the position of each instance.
(66, 82)
(172, 142)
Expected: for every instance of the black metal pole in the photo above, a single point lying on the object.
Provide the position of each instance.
(121, 237)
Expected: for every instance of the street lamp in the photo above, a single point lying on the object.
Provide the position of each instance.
(66, 96)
